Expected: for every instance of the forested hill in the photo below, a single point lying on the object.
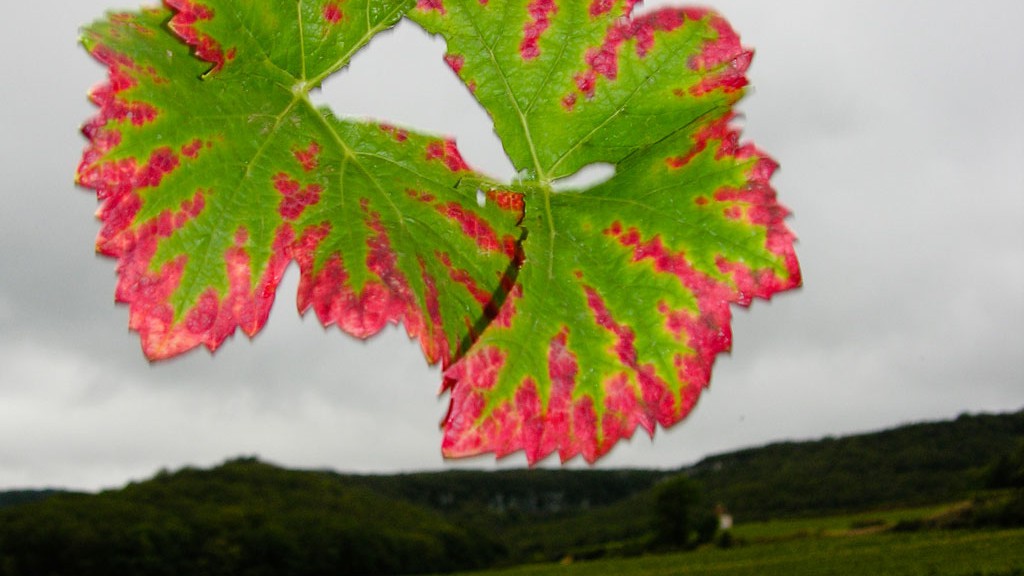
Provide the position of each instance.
(251, 517)
(15, 497)
(924, 462)
(243, 517)
(913, 464)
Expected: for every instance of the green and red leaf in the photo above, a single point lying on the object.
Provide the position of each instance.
(215, 172)
(622, 301)
(565, 319)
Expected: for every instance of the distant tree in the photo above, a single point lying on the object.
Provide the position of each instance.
(706, 526)
(675, 511)
(1008, 470)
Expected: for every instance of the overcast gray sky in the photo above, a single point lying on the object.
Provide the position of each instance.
(898, 126)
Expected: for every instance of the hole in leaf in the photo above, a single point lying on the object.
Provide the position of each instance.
(587, 177)
(401, 78)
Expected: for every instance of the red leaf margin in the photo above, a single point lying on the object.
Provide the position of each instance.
(118, 186)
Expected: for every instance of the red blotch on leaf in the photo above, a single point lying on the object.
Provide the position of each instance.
(599, 7)
(162, 162)
(115, 62)
(530, 416)
(295, 197)
(733, 212)
(447, 152)
(425, 197)
(455, 62)
(586, 440)
(203, 315)
(559, 422)
(183, 23)
(332, 13)
(473, 375)
(586, 82)
(622, 409)
(472, 225)
(432, 338)
(540, 12)
(189, 210)
(121, 73)
(718, 131)
(392, 297)
(464, 278)
(507, 200)
(625, 348)
(603, 60)
(399, 134)
(508, 310)
(569, 101)
(130, 20)
(385, 297)
(192, 149)
(724, 56)
(308, 157)
(428, 5)
(140, 113)
(657, 402)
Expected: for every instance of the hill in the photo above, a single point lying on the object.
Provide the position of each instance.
(250, 517)
(16, 497)
(243, 517)
(909, 465)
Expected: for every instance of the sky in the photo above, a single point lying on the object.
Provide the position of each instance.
(898, 129)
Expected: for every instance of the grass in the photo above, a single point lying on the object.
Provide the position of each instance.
(932, 553)
(839, 525)
(852, 544)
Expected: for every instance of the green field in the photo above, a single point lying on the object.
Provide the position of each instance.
(934, 553)
(839, 525)
(853, 544)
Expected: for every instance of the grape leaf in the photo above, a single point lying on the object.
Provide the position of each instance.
(622, 300)
(215, 172)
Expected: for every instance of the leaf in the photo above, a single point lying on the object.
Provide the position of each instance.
(605, 314)
(215, 173)
(622, 301)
